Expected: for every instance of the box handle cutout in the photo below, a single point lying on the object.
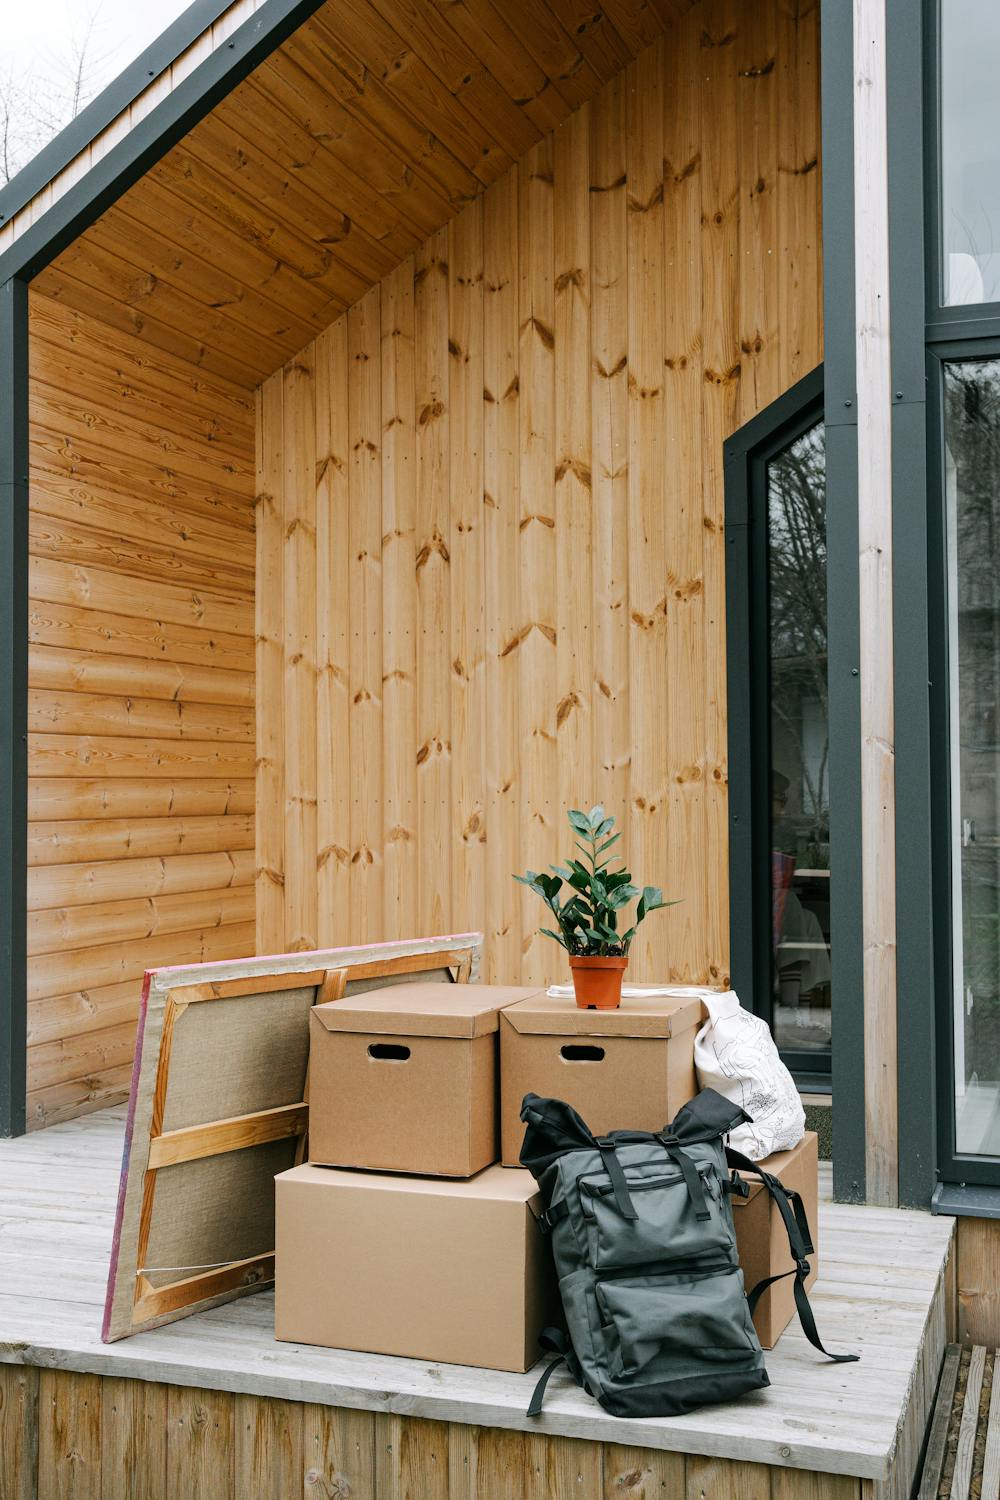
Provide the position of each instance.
(388, 1052)
(574, 1052)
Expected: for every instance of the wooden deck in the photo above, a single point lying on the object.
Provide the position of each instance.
(885, 1290)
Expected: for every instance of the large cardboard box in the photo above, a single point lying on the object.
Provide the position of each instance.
(418, 1266)
(404, 1078)
(627, 1069)
(762, 1239)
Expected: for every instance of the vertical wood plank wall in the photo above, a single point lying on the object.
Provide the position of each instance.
(86, 1437)
(490, 542)
(141, 692)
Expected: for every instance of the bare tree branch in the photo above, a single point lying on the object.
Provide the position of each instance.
(35, 107)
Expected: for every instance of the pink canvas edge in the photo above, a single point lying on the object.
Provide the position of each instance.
(449, 937)
(126, 1153)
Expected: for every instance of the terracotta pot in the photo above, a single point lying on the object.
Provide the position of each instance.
(598, 982)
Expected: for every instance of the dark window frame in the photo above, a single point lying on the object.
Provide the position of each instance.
(746, 456)
(944, 320)
(954, 1165)
(960, 332)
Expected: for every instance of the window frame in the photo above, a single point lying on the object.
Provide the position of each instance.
(964, 331)
(746, 456)
(944, 320)
(953, 1166)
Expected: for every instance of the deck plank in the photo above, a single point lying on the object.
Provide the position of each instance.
(881, 1291)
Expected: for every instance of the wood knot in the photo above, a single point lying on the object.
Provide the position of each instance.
(565, 707)
(430, 413)
(760, 71)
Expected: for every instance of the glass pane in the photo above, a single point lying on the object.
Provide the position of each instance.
(972, 490)
(800, 804)
(970, 150)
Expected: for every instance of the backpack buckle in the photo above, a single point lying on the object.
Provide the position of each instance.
(738, 1186)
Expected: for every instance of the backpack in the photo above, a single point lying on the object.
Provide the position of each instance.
(641, 1227)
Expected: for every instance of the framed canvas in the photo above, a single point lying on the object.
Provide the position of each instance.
(218, 1106)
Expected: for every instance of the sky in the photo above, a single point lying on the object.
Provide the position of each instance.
(39, 40)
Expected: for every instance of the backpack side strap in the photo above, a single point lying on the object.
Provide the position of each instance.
(553, 1341)
(793, 1214)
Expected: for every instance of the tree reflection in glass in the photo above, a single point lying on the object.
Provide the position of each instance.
(972, 459)
(800, 812)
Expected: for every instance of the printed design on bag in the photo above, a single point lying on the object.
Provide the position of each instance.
(735, 1054)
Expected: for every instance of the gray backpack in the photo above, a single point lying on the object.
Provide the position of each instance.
(641, 1226)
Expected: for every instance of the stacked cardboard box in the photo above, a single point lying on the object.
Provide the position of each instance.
(402, 1235)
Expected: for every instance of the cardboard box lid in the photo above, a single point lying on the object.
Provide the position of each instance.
(493, 1184)
(640, 1016)
(422, 1009)
(776, 1164)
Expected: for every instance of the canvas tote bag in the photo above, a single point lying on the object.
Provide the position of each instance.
(735, 1054)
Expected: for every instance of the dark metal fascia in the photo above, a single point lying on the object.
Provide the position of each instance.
(13, 702)
(149, 140)
(108, 105)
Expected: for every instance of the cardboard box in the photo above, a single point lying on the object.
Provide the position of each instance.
(627, 1069)
(416, 1266)
(762, 1239)
(404, 1078)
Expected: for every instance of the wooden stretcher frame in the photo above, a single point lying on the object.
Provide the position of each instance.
(133, 1303)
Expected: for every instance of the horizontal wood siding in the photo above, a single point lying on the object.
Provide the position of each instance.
(89, 1437)
(515, 600)
(141, 709)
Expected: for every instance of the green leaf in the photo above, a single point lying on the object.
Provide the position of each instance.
(547, 932)
(579, 821)
(622, 896)
(650, 900)
(605, 827)
(608, 842)
(595, 817)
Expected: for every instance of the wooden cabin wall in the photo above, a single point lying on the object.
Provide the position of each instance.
(141, 691)
(490, 550)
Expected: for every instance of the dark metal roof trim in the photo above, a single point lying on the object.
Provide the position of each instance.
(108, 105)
(149, 140)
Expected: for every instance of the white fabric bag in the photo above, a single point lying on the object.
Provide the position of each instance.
(734, 1053)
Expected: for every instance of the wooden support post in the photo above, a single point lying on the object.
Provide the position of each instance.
(878, 812)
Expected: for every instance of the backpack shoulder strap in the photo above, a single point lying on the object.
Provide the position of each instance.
(793, 1214)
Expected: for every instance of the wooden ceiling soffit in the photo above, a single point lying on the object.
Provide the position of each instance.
(367, 130)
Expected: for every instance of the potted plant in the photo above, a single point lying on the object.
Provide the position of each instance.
(588, 920)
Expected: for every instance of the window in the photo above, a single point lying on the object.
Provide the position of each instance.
(795, 517)
(779, 725)
(969, 104)
(971, 413)
(963, 432)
